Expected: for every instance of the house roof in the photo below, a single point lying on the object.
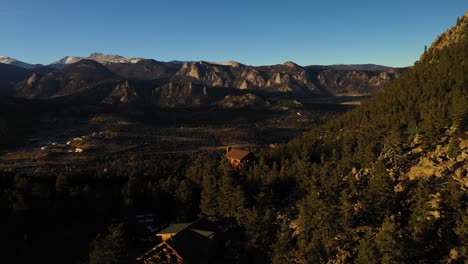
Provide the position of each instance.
(191, 241)
(174, 228)
(192, 245)
(237, 154)
(208, 234)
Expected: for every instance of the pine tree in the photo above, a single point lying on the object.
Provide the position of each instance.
(459, 108)
(318, 227)
(423, 225)
(462, 234)
(185, 200)
(230, 197)
(368, 252)
(260, 228)
(283, 245)
(379, 195)
(347, 210)
(389, 243)
(111, 249)
(209, 200)
(454, 221)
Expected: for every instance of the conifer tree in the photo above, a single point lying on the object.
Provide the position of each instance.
(318, 226)
(346, 210)
(282, 247)
(462, 234)
(389, 243)
(368, 252)
(459, 108)
(379, 195)
(209, 199)
(185, 200)
(110, 249)
(260, 228)
(422, 223)
(230, 197)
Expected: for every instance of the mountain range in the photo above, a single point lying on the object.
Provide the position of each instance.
(113, 79)
(10, 61)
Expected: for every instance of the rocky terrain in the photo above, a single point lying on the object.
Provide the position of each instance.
(449, 159)
(8, 60)
(355, 82)
(98, 57)
(85, 76)
(452, 36)
(112, 79)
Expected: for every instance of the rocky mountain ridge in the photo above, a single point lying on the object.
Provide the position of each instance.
(194, 84)
(199, 83)
(454, 35)
(10, 61)
(98, 57)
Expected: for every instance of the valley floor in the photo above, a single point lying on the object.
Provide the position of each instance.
(82, 142)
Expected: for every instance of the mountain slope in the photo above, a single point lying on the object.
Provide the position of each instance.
(360, 67)
(9, 76)
(276, 78)
(72, 80)
(387, 181)
(7, 60)
(355, 82)
(289, 78)
(283, 80)
(454, 35)
(144, 69)
(98, 57)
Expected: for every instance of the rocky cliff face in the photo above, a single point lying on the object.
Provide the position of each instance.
(353, 82)
(181, 93)
(73, 80)
(453, 36)
(448, 159)
(212, 75)
(150, 82)
(144, 69)
(289, 77)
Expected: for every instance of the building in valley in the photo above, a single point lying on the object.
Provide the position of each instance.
(184, 243)
(239, 157)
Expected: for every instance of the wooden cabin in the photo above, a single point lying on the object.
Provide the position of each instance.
(238, 157)
(184, 243)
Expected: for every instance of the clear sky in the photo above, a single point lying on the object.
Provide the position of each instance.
(256, 32)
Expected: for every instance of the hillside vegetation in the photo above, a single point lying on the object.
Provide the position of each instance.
(384, 183)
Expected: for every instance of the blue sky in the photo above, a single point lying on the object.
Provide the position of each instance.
(254, 32)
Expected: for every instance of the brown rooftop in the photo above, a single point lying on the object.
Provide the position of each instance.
(237, 154)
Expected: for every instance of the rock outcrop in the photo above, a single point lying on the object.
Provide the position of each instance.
(161, 84)
(353, 82)
(453, 36)
(71, 81)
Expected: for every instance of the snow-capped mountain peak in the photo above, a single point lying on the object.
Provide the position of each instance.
(98, 57)
(104, 58)
(8, 60)
(68, 60)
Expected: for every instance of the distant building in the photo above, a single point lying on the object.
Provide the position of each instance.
(78, 150)
(184, 243)
(238, 157)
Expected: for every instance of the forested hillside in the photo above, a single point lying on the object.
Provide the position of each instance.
(362, 195)
(384, 183)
